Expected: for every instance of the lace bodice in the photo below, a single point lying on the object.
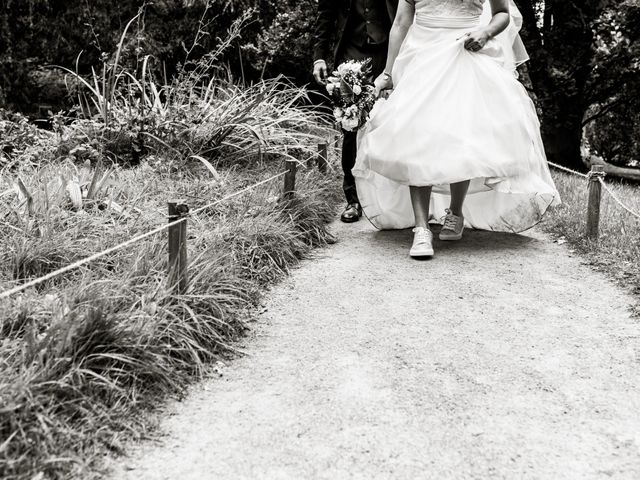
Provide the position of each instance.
(449, 8)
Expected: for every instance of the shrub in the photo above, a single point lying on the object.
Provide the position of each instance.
(81, 35)
(284, 47)
(85, 361)
(614, 135)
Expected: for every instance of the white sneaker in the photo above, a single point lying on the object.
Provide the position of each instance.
(422, 243)
(452, 228)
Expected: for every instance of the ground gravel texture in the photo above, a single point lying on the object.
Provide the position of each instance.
(502, 357)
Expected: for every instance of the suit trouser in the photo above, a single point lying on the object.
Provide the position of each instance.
(378, 55)
(349, 154)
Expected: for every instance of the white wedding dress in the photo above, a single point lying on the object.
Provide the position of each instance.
(455, 115)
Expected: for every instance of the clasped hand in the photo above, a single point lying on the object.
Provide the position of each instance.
(475, 41)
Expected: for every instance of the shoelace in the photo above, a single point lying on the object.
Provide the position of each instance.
(450, 221)
(423, 236)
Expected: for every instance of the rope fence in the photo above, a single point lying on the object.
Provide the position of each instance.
(596, 182)
(179, 214)
(84, 261)
(568, 170)
(177, 227)
(617, 200)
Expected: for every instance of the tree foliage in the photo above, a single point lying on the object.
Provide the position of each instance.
(584, 69)
(81, 33)
(613, 119)
(284, 44)
(584, 61)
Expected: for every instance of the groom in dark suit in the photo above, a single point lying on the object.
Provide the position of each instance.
(357, 29)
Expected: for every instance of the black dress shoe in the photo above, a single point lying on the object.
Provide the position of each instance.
(352, 213)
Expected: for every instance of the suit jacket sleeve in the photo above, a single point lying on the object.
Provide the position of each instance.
(392, 8)
(325, 28)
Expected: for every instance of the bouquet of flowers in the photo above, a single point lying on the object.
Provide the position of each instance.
(353, 97)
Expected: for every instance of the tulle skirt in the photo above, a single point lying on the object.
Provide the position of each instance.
(454, 115)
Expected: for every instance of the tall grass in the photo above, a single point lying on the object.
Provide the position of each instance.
(617, 251)
(86, 357)
(220, 122)
(197, 114)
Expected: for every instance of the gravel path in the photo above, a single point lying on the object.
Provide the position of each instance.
(502, 357)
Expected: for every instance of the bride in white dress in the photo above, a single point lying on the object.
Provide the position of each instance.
(458, 137)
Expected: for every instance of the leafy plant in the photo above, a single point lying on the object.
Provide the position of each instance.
(584, 60)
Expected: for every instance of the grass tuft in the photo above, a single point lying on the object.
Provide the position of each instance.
(617, 251)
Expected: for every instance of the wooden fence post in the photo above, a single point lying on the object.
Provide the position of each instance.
(290, 180)
(593, 208)
(311, 161)
(322, 157)
(178, 277)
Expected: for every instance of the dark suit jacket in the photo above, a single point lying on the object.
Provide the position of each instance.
(333, 17)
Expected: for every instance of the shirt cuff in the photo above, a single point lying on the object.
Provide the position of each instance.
(319, 60)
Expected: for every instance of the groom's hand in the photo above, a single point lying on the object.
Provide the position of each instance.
(383, 85)
(320, 72)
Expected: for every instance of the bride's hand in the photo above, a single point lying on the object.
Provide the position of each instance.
(476, 41)
(382, 83)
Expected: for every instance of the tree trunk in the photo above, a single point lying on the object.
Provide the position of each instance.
(562, 143)
(561, 63)
(562, 110)
(632, 174)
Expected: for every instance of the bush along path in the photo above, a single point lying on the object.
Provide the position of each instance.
(502, 357)
(89, 352)
(84, 360)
